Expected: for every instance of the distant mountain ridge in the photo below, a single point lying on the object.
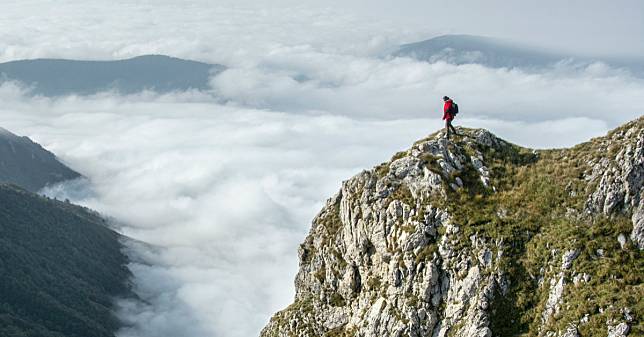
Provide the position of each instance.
(159, 73)
(29, 165)
(497, 53)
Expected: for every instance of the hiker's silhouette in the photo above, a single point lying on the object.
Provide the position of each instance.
(450, 109)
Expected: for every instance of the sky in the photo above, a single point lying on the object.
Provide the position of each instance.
(216, 190)
(594, 27)
(211, 30)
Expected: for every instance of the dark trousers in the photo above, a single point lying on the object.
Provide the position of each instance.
(449, 127)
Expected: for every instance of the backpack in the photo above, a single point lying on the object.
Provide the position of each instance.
(454, 109)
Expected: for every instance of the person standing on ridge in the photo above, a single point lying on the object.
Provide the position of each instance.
(450, 109)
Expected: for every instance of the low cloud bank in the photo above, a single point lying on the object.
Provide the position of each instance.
(220, 196)
(307, 80)
(217, 190)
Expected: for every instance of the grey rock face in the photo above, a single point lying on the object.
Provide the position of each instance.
(571, 332)
(620, 182)
(621, 238)
(388, 255)
(557, 285)
(619, 330)
(637, 235)
(386, 270)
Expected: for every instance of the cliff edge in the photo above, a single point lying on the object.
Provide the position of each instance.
(479, 237)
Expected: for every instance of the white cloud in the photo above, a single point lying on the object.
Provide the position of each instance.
(233, 32)
(221, 190)
(306, 80)
(225, 31)
(223, 194)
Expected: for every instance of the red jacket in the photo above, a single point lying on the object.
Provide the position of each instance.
(446, 114)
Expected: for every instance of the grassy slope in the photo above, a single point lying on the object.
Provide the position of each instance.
(539, 208)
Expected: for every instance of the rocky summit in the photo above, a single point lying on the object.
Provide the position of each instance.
(479, 237)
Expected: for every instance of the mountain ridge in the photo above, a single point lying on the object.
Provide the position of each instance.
(159, 73)
(479, 237)
(497, 53)
(29, 165)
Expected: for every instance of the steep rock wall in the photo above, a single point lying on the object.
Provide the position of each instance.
(478, 237)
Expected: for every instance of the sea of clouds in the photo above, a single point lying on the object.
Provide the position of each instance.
(217, 189)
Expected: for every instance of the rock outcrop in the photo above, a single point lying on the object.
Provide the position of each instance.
(479, 237)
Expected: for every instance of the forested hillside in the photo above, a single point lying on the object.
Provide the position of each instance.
(29, 165)
(60, 268)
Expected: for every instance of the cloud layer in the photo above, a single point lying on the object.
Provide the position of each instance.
(217, 189)
(227, 31)
(219, 195)
(303, 79)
